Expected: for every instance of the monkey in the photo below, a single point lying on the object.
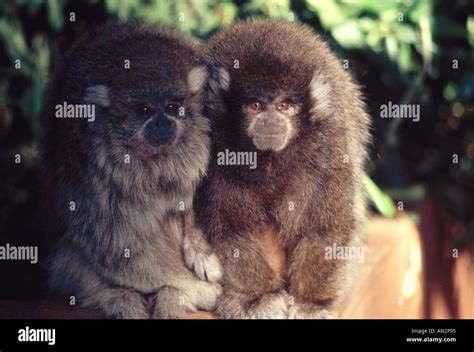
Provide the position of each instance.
(278, 90)
(125, 176)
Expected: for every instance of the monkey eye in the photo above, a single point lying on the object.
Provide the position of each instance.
(284, 106)
(172, 107)
(255, 107)
(145, 110)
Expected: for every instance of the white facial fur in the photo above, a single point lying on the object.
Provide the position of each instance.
(196, 78)
(98, 94)
(264, 140)
(321, 93)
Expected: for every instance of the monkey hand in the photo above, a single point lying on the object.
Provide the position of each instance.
(308, 311)
(199, 257)
(270, 306)
(119, 303)
(236, 305)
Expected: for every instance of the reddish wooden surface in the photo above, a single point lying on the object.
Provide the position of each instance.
(53, 310)
(404, 275)
(389, 282)
(44, 310)
(448, 280)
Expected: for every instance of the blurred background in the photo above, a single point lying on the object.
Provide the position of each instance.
(404, 52)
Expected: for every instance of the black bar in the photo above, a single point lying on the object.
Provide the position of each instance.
(321, 335)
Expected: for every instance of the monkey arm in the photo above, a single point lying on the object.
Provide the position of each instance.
(197, 253)
(252, 290)
(314, 275)
(316, 272)
(326, 222)
(316, 280)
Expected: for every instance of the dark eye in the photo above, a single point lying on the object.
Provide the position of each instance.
(289, 108)
(255, 107)
(145, 110)
(284, 106)
(172, 107)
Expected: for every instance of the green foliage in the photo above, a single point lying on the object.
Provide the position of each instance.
(386, 27)
(382, 202)
(403, 51)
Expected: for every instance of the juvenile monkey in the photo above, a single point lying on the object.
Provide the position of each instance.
(125, 143)
(280, 92)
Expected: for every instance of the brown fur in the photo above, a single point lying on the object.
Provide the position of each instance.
(273, 251)
(234, 203)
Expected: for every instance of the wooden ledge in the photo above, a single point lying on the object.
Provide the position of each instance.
(388, 283)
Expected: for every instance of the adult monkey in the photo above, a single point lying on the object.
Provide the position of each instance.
(279, 91)
(123, 181)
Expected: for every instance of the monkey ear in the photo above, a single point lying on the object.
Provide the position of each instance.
(98, 94)
(220, 80)
(224, 78)
(196, 78)
(320, 89)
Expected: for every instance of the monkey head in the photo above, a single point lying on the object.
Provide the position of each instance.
(268, 118)
(277, 79)
(154, 110)
(148, 107)
(144, 83)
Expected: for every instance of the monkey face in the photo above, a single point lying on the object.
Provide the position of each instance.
(153, 115)
(270, 123)
(157, 122)
(275, 84)
(161, 127)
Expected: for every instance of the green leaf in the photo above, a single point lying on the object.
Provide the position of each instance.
(373, 40)
(470, 29)
(427, 44)
(121, 8)
(392, 47)
(450, 92)
(368, 24)
(40, 72)
(13, 39)
(389, 16)
(155, 11)
(420, 8)
(329, 12)
(349, 34)
(277, 8)
(55, 14)
(272, 8)
(227, 12)
(382, 202)
(374, 6)
(405, 59)
(405, 33)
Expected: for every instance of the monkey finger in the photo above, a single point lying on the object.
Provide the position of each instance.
(308, 311)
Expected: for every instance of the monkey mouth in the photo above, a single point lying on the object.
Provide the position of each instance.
(145, 150)
(272, 142)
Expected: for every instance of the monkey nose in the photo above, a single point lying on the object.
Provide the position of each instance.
(274, 126)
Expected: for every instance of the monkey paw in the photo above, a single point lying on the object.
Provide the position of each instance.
(125, 304)
(270, 306)
(308, 311)
(206, 295)
(204, 264)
